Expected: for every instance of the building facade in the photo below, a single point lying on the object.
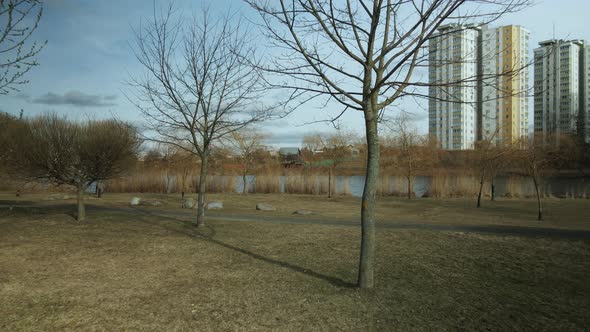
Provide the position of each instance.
(562, 96)
(505, 84)
(454, 54)
(478, 85)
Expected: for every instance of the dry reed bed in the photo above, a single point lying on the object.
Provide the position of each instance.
(442, 185)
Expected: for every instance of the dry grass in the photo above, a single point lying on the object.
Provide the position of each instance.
(137, 272)
(558, 213)
(444, 186)
(313, 182)
(267, 184)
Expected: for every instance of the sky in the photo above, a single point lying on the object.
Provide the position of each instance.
(88, 59)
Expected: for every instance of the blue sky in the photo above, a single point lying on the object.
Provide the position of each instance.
(88, 59)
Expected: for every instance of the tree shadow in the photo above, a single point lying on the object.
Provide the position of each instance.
(193, 232)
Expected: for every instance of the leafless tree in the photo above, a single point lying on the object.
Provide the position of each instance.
(329, 150)
(411, 153)
(7, 124)
(245, 144)
(198, 86)
(18, 21)
(363, 56)
(53, 149)
(312, 143)
(490, 159)
(535, 159)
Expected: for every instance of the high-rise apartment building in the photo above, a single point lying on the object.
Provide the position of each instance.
(562, 96)
(505, 84)
(454, 54)
(478, 85)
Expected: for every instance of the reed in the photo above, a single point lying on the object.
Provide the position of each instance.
(313, 182)
(344, 187)
(267, 184)
(306, 184)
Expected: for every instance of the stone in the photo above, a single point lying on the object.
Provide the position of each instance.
(188, 203)
(265, 207)
(303, 212)
(216, 205)
(135, 201)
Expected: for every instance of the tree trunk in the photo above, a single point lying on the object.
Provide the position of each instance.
(493, 190)
(245, 190)
(81, 208)
(480, 190)
(330, 182)
(540, 209)
(202, 190)
(409, 187)
(367, 257)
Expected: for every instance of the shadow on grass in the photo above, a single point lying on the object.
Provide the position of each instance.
(190, 231)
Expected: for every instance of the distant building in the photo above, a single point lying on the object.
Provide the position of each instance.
(291, 157)
(505, 85)
(454, 54)
(562, 94)
(478, 85)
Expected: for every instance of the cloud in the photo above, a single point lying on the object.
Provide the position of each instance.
(23, 96)
(281, 123)
(290, 138)
(76, 98)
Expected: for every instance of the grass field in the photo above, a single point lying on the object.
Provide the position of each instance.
(558, 213)
(119, 271)
(124, 271)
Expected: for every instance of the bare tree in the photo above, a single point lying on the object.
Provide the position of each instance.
(535, 159)
(50, 148)
(185, 165)
(198, 87)
(7, 124)
(329, 151)
(411, 153)
(245, 144)
(312, 147)
(337, 149)
(489, 160)
(362, 55)
(20, 19)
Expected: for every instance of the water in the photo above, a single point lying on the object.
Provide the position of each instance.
(250, 184)
(521, 186)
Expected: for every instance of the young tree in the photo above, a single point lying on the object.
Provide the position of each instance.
(535, 158)
(489, 160)
(362, 55)
(412, 152)
(20, 19)
(331, 150)
(198, 86)
(312, 147)
(185, 164)
(50, 148)
(245, 144)
(7, 124)
(337, 149)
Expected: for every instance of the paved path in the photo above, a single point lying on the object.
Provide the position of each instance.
(314, 220)
(187, 215)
